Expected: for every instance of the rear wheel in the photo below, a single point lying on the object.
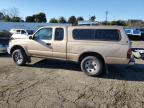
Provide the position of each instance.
(19, 57)
(92, 65)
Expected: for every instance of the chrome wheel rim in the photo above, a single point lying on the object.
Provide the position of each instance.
(18, 57)
(91, 66)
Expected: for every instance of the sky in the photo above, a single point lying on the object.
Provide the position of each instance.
(117, 9)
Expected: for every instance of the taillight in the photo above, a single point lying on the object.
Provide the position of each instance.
(129, 53)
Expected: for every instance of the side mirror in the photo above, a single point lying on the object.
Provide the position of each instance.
(30, 37)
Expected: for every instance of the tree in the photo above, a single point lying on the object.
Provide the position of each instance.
(93, 18)
(106, 23)
(6, 18)
(80, 19)
(30, 19)
(13, 12)
(5, 12)
(41, 17)
(119, 23)
(53, 20)
(16, 19)
(62, 20)
(1, 16)
(113, 22)
(72, 20)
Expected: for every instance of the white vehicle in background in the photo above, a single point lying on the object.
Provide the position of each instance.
(19, 36)
(20, 33)
(133, 32)
(138, 53)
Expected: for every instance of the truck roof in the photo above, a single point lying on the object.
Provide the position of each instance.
(90, 27)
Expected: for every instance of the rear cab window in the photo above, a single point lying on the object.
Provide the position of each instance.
(59, 34)
(97, 34)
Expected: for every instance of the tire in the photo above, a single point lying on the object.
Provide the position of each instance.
(92, 66)
(19, 57)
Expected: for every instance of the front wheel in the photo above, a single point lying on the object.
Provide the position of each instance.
(92, 65)
(19, 57)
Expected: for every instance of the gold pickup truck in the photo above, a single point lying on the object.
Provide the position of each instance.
(91, 46)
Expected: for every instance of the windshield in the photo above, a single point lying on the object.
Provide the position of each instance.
(30, 32)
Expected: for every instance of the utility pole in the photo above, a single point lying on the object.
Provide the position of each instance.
(106, 17)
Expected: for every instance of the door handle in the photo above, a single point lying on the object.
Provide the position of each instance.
(48, 44)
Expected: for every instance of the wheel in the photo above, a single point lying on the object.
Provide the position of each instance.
(92, 66)
(19, 57)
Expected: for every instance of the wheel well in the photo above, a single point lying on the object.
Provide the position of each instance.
(15, 48)
(91, 54)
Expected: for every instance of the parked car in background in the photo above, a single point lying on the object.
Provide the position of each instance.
(3, 45)
(128, 31)
(19, 36)
(21, 33)
(4, 41)
(138, 53)
(136, 33)
(91, 46)
(141, 29)
(142, 32)
(133, 32)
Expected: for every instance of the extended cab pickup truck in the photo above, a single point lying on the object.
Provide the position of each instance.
(91, 46)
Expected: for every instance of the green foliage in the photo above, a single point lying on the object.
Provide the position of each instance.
(73, 20)
(16, 19)
(30, 19)
(93, 18)
(11, 15)
(114, 23)
(106, 23)
(80, 19)
(62, 20)
(119, 23)
(41, 17)
(6, 18)
(53, 20)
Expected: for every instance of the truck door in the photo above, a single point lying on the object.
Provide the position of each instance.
(41, 44)
(59, 43)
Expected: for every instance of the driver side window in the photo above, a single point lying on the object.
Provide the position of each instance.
(44, 34)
